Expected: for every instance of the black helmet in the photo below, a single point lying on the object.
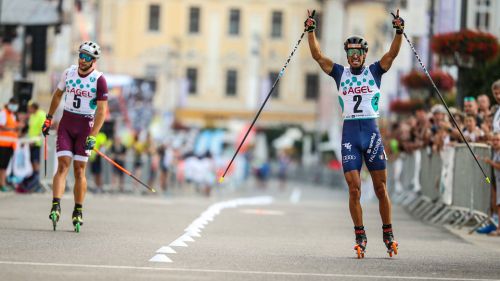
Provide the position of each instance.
(356, 42)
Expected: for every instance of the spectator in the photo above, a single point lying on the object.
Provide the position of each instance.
(472, 132)
(495, 163)
(495, 89)
(9, 128)
(95, 162)
(283, 163)
(471, 108)
(118, 153)
(36, 119)
(421, 131)
(484, 106)
(458, 115)
(440, 128)
(166, 161)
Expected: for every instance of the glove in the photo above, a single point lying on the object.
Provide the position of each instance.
(398, 23)
(46, 125)
(90, 143)
(310, 23)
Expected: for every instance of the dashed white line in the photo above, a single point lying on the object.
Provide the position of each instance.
(195, 228)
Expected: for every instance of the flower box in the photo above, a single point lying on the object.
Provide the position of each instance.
(418, 81)
(465, 47)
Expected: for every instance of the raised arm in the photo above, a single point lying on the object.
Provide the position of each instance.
(324, 62)
(399, 24)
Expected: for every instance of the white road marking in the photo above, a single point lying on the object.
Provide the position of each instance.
(262, 212)
(194, 229)
(160, 258)
(295, 196)
(166, 250)
(269, 273)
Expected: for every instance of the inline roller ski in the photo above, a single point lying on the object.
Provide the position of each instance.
(361, 241)
(77, 219)
(55, 214)
(390, 243)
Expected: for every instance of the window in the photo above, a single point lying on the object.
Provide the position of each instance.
(154, 18)
(194, 20)
(234, 22)
(483, 8)
(312, 86)
(192, 77)
(276, 24)
(231, 82)
(272, 77)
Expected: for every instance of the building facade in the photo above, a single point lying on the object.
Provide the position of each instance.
(215, 60)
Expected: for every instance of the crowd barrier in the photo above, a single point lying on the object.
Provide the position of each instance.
(445, 187)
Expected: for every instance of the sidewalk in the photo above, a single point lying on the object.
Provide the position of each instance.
(480, 240)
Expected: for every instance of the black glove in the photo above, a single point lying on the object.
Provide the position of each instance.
(310, 23)
(398, 23)
(46, 125)
(90, 143)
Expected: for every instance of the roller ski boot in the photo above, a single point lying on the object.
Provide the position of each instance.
(390, 243)
(361, 241)
(55, 214)
(77, 219)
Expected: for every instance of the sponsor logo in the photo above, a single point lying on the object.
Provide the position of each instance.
(357, 90)
(347, 146)
(371, 140)
(347, 158)
(91, 124)
(375, 150)
(79, 92)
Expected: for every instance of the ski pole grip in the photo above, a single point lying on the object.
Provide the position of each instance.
(313, 12)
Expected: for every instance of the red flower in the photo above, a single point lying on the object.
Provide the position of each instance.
(481, 45)
(418, 80)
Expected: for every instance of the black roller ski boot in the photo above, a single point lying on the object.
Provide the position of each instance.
(77, 219)
(390, 243)
(55, 214)
(361, 241)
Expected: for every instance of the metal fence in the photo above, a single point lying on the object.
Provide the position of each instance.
(452, 188)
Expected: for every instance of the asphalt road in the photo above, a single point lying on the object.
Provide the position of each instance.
(302, 233)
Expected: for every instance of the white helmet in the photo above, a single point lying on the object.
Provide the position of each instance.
(90, 48)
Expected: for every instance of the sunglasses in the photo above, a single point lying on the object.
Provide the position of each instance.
(469, 99)
(86, 57)
(351, 52)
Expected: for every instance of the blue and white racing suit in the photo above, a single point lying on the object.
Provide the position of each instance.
(359, 96)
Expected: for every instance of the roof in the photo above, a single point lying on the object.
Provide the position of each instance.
(28, 12)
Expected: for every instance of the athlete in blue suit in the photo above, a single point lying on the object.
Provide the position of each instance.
(359, 94)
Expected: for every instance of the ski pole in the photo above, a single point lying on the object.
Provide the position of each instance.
(444, 103)
(45, 155)
(123, 170)
(221, 179)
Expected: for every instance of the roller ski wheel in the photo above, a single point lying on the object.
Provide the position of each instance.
(77, 220)
(360, 251)
(54, 216)
(392, 247)
(361, 241)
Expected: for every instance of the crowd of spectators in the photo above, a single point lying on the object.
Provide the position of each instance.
(433, 128)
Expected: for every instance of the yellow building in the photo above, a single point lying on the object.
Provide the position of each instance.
(214, 59)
